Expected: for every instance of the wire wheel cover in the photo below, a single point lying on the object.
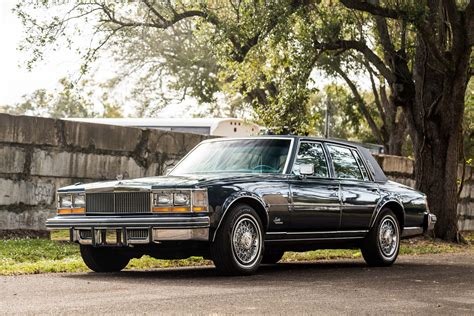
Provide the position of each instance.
(246, 240)
(388, 237)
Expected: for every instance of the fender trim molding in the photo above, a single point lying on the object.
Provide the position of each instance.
(384, 201)
(231, 200)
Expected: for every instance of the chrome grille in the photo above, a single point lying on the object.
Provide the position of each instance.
(137, 233)
(118, 202)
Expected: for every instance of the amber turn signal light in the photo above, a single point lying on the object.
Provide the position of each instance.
(80, 210)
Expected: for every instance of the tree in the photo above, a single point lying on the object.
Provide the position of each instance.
(430, 86)
(387, 122)
(267, 51)
(231, 29)
(64, 101)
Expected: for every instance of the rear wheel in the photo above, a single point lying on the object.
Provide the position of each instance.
(103, 259)
(272, 256)
(237, 249)
(383, 242)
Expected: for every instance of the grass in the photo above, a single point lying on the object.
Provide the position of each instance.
(29, 256)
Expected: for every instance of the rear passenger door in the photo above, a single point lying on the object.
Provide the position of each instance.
(359, 194)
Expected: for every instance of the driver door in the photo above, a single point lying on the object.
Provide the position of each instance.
(315, 198)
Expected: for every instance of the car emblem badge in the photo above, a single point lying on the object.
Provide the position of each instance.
(277, 221)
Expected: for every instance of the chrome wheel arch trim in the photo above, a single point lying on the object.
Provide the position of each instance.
(231, 200)
(381, 204)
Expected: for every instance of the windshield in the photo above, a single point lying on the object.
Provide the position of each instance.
(236, 156)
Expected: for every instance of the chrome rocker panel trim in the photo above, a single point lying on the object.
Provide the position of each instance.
(412, 231)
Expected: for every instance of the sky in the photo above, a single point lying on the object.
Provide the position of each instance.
(15, 79)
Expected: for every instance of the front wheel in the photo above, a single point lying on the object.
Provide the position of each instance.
(238, 246)
(103, 259)
(383, 241)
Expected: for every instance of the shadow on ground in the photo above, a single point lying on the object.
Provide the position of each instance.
(320, 271)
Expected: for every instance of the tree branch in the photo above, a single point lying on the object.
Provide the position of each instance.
(378, 103)
(469, 22)
(362, 48)
(375, 9)
(362, 105)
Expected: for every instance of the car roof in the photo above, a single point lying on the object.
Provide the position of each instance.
(296, 137)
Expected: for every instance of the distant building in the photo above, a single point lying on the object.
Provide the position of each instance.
(231, 127)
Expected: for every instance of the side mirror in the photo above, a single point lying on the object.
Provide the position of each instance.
(307, 169)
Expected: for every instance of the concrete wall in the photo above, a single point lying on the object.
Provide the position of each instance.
(400, 169)
(39, 155)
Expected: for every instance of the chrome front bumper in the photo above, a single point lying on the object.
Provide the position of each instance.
(125, 231)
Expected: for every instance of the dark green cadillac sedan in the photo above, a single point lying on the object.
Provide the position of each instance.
(242, 202)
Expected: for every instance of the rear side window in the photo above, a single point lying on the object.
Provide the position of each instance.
(312, 153)
(345, 164)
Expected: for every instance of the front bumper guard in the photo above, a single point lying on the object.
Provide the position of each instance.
(126, 231)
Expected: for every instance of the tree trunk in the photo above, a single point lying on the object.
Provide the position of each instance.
(435, 120)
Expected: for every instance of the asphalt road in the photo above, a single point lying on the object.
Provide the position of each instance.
(440, 284)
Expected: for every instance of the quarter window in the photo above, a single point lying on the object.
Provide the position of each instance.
(361, 164)
(345, 164)
(312, 153)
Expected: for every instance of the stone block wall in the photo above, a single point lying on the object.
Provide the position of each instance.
(39, 155)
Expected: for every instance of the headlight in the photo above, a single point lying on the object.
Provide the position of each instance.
(79, 200)
(163, 198)
(181, 198)
(180, 201)
(71, 203)
(65, 201)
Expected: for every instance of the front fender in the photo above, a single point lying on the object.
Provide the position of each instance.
(234, 198)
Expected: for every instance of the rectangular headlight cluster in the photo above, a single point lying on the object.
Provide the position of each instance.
(180, 201)
(71, 203)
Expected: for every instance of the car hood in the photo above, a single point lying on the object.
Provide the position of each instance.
(185, 181)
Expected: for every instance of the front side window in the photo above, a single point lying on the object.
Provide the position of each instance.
(236, 156)
(345, 164)
(312, 153)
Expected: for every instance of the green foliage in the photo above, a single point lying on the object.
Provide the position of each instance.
(65, 101)
(345, 120)
(258, 54)
(468, 124)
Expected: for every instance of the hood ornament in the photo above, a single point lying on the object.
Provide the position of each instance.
(119, 177)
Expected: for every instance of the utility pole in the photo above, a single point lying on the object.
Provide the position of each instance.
(327, 116)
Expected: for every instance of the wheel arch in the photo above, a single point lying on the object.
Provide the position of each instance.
(252, 200)
(395, 206)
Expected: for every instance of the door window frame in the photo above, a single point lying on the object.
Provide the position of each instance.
(328, 161)
(350, 148)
